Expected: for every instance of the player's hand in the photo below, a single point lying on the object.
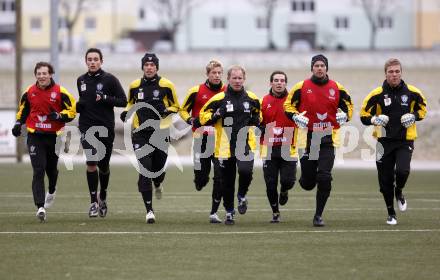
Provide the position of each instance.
(300, 120)
(219, 113)
(381, 120)
(16, 130)
(123, 116)
(54, 116)
(408, 120)
(341, 117)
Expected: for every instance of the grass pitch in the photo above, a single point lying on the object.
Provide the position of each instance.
(355, 244)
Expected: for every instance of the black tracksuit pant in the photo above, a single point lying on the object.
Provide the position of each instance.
(44, 159)
(393, 168)
(276, 167)
(228, 168)
(316, 169)
(202, 168)
(151, 149)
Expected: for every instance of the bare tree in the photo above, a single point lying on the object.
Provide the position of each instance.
(71, 12)
(269, 7)
(172, 14)
(375, 11)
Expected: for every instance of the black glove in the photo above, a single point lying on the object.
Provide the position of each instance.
(190, 121)
(123, 116)
(16, 130)
(54, 116)
(196, 123)
(80, 106)
(220, 113)
(163, 112)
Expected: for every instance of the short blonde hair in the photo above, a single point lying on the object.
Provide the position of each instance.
(213, 64)
(236, 67)
(392, 62)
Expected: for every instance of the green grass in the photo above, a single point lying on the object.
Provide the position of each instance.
(355, 244)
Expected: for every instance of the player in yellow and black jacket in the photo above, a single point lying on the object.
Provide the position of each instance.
(233, 113)
(151, 99)
(393, 109)
(203, 136)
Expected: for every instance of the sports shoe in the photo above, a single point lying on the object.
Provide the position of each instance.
(214, 219)
(401, 202)
(318, 221)
(229, 220)
(102, 208)
(151, 219)
(392, 220)
(41, 214)
(50, 199)
(93, 211)
(284, 197)
(158, 189)
(275, 218)
(242, 205)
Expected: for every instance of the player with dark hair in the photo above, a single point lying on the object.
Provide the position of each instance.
(277, 144)
(393, 109)
(320, 106)
(44, 107)
(203, 135)
(154, 100)
(99, 92)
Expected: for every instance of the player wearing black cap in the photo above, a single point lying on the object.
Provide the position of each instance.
(151, 100)
(319, 106)
(99, 93)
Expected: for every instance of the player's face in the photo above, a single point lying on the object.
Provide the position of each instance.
(93, 62)
(236, 80)
(150, 69)
(43, 76)
(319, 69)
(278, 84)
(215, 75)
(393, 75)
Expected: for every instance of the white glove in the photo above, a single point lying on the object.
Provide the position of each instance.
(341, 117)
(300, 120)
(381, 120)
(408, 120)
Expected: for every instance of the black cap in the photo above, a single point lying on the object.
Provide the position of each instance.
(319, 57)
(150, 57)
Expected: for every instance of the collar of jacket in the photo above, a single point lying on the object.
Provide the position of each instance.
(389, 88)
(213, 87)
(232, 91)
(151, 80)
(319, 81)
(282, 95)
(96, 74)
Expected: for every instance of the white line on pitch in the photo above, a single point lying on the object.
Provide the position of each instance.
(212, 233)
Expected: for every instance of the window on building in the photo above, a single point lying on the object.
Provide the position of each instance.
(90, 23)
(262, 23)
(141, 13)
(3, 6)
(385, 22)
(36, 23)
(303, 6)
(13, 6)
(342, 23)
(218, 23)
